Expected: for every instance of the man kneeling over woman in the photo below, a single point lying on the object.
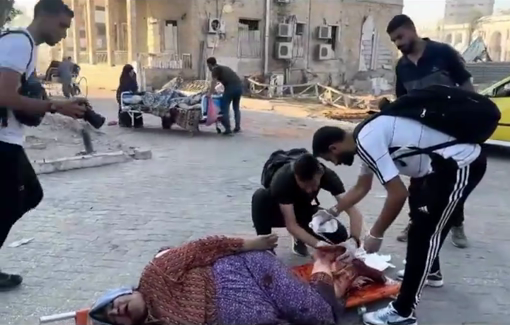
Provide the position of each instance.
(220, 280)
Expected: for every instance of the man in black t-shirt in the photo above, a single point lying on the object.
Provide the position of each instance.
(291, 202)
(232, 94)
(425, 62)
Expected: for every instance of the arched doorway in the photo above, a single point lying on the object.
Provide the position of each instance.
(495, 46)
(368, 46)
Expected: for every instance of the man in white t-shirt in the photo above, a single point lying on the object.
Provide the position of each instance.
(20, 190)
(450, 174)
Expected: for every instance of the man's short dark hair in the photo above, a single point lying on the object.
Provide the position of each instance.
(306, 167)
(212, 61)
(399, 21)
(325, 137)
(52, 7)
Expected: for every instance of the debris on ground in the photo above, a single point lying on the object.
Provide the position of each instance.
(348, 107)
(21, 242)
(59, 136)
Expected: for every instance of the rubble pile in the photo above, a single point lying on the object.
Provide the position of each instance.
(350, 105)
(59, 136)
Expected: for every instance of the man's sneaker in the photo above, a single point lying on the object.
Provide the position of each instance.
(9, 281)
(459, 238)
(299, 248)
(403, 235)
(388, 316)
(434, 280)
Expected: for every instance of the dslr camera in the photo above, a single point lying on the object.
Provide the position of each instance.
(33, 88)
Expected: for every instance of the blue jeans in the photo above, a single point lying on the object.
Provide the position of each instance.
(231, 95)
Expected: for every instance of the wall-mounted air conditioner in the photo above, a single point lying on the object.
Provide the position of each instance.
(284, 50)
(324, 52)
(283, 1)
(284, 30)
(216, 26)
(324, 32)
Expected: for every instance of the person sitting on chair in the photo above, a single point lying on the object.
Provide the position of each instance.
(128, 82)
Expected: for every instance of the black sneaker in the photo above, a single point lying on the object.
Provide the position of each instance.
(237, 130)
(9, 281)
(227, 133)
(434, 280)
(299, 248)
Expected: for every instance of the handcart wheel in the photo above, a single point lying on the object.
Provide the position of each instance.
(166, 123)
(218, 130)
(82, 87)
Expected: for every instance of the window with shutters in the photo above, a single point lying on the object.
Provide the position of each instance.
(249, 39)
(170, 38)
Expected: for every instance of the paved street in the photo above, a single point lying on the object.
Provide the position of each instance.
(97, 228)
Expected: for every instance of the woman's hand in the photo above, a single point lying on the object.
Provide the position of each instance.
(261, 243)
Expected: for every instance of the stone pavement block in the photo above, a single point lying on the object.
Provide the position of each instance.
(97, 228)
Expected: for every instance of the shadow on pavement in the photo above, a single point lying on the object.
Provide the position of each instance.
(497, 152)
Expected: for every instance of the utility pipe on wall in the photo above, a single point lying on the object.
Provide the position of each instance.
(266, 37)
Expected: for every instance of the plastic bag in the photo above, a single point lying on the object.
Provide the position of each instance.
(212, 112)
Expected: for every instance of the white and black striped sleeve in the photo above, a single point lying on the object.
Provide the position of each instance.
(374, 154)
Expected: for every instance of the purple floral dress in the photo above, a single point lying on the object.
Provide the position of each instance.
(256, 288)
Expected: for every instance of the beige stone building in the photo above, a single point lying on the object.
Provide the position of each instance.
(494, 30)
(332, 40)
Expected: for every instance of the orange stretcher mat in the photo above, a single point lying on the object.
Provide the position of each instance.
(368, 294)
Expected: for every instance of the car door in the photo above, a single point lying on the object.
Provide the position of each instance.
(501, 97)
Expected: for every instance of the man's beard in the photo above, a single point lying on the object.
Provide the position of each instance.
(407, 49)
(346, 158)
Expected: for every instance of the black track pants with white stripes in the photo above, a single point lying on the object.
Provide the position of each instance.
(448, 187)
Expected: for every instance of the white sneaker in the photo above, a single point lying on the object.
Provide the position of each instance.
(434, 280)
(388, 316)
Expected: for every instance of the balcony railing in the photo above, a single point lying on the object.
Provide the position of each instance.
(171, 61)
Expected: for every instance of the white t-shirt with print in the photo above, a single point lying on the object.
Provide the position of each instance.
(386, 137)
(15, 53)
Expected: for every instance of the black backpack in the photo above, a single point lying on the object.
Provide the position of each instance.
(276, 160)
(465, 115)
(30, 87)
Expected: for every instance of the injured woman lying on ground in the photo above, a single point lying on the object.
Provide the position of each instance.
(220, 280)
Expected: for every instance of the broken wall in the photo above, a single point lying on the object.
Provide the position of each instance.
(347, 17)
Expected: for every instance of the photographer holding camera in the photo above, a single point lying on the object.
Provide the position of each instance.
(20, 104)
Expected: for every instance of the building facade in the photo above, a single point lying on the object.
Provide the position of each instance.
(493, 30)
(464, 11)
(330, 39)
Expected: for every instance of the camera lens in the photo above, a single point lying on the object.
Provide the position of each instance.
(94, 119)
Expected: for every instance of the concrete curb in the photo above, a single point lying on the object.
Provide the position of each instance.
(79, 162)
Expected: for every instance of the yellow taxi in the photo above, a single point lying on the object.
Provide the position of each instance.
(500, 94)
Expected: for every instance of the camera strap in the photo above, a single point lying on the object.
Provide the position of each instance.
(29, 39)
(3, 110)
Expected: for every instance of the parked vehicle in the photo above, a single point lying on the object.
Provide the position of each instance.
(500, 94)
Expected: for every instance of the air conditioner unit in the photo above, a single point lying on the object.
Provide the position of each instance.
(324, 32)
(216, 26)
(284, 30)
(284, 50)
(282, 1)
(324, 52)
